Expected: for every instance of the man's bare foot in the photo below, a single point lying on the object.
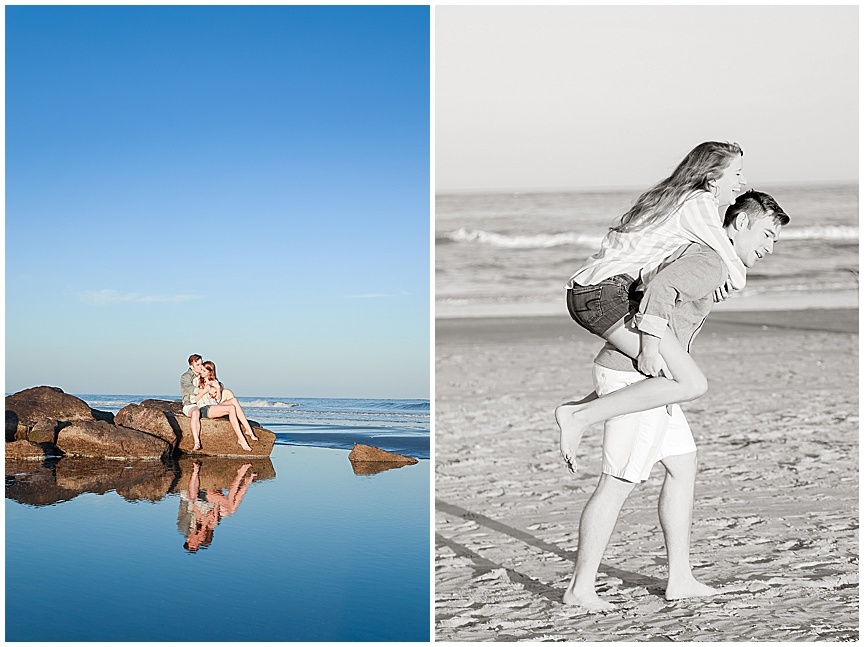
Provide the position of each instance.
(591, 602)
(689, 588)
(572, 427)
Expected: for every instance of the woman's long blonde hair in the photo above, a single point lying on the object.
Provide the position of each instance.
(697, 170)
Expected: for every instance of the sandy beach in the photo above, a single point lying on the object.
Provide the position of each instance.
(776, 512)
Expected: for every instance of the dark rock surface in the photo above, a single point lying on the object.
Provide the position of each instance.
(40, 402)
(101, 439)
(168, 406)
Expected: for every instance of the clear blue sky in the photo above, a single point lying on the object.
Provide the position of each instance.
(246, 183)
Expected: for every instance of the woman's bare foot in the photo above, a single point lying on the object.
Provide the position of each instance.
(591, 602)
(251, 434)
(572, 426)
(242, 442)
(688, 588)
(196, 447)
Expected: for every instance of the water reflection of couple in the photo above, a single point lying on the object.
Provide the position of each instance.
(201, 510)
(204, 396)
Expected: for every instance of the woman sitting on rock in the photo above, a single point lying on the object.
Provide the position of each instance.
(216, 402)
(225, 396)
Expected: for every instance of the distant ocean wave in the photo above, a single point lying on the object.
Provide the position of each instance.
(545, 241)
(266, 404)
(359, 415)
(398, 405)
(824, 232)
(537, 241)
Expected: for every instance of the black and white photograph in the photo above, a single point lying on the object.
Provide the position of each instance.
(646, 318)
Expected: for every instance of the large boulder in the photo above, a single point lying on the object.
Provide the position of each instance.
(103, 440)
(366, 459)
(149, 420)
(219, 439)
(41, 402)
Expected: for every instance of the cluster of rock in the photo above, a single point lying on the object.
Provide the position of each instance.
(44, 421)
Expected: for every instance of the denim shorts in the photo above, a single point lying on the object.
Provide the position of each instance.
(204, 410)
(597, 308)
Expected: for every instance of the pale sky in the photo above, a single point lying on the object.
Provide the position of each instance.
(597, 96)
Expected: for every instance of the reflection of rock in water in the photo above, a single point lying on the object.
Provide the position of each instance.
(140, 480)
(53, 481)
(218, 473)
(62, 480)
(374, 467)
(366, 459)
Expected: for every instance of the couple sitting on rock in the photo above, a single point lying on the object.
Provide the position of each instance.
(204, 396)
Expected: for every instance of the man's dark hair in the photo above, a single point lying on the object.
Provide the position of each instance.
(755, 205)
(193, 358)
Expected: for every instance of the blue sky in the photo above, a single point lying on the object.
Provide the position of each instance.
(246, 183)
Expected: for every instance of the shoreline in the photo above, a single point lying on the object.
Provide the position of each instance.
(527, 329)
(464, 309)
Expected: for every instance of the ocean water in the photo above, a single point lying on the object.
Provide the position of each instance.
(523, 247)
(400, 426)
(287, 548)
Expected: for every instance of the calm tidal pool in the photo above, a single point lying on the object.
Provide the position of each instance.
(303, 550)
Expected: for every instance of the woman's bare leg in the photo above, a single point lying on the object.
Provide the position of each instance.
(684, 382)
(229, 398)
(219, 410)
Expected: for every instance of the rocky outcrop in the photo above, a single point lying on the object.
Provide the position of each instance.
(147, 419)
(367, 453)
(366, 459)
(46, 415)
(101, 439)
(41, 402)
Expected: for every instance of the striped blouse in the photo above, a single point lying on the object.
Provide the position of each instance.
(640, 253)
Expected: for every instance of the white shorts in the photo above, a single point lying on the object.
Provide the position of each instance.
(632, 443)
(187, 410)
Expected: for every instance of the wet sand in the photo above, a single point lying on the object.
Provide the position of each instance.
(776, 513)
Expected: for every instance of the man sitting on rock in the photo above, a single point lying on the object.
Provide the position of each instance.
(188, 382)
